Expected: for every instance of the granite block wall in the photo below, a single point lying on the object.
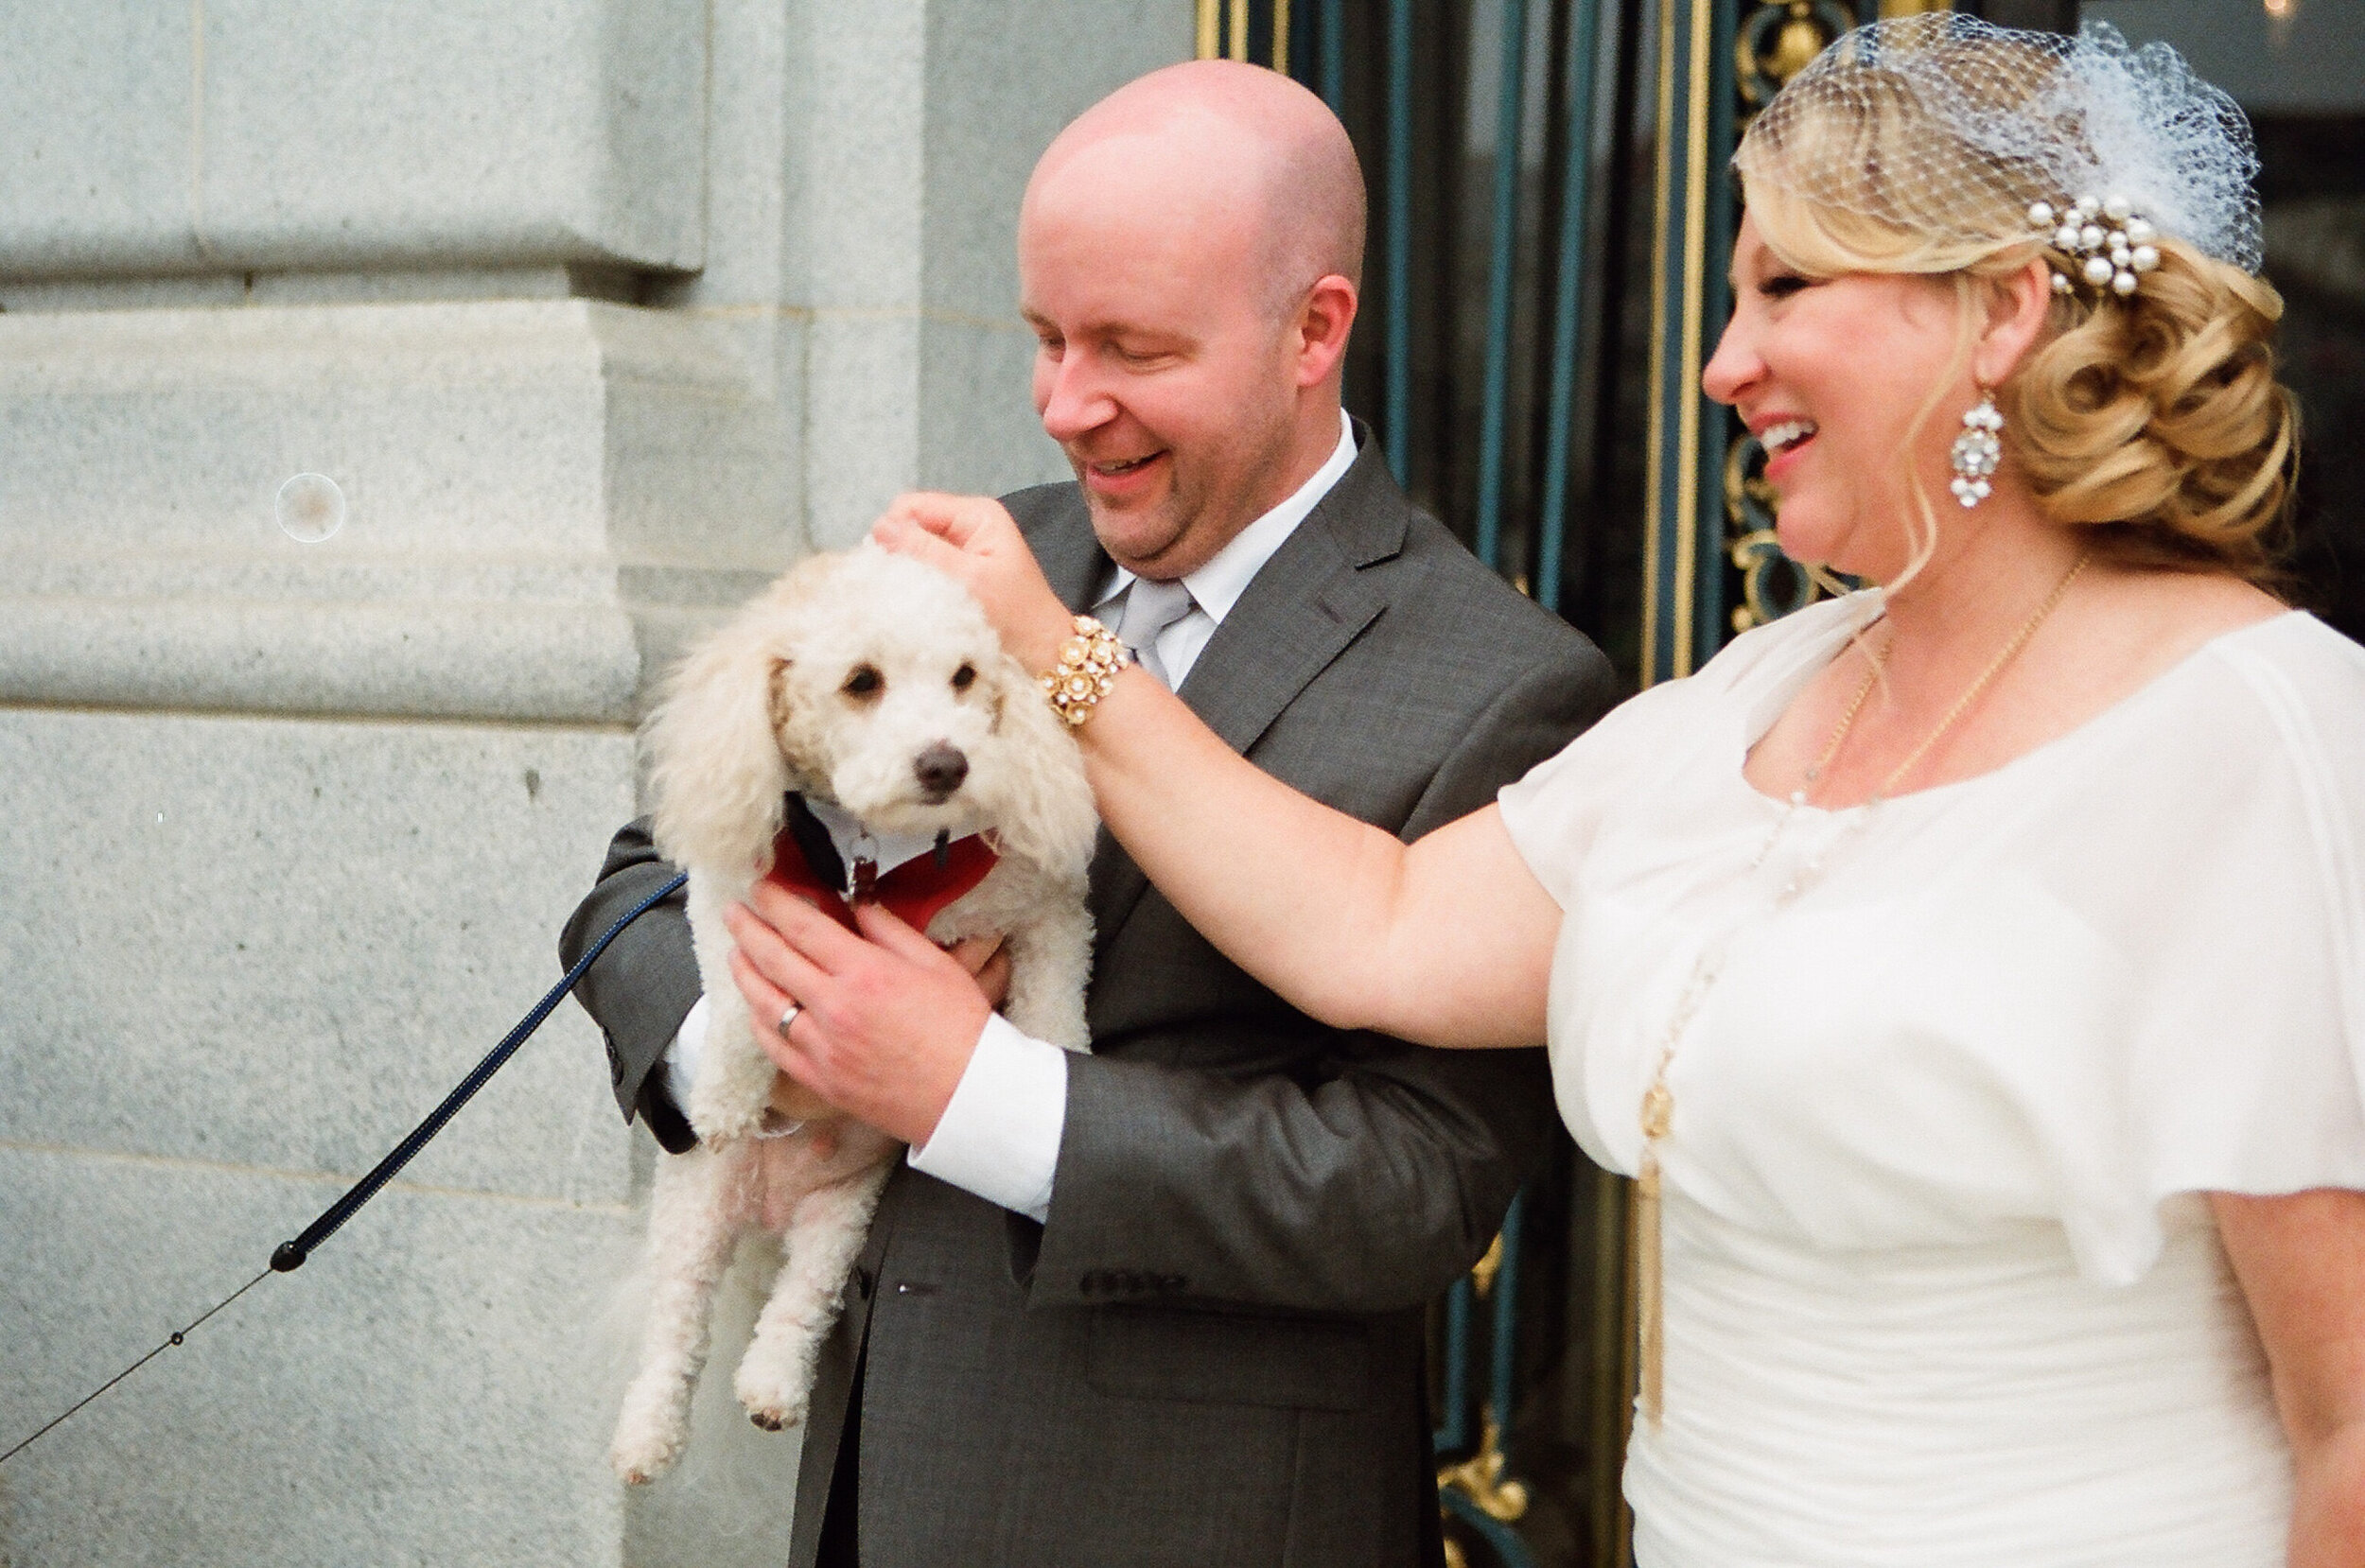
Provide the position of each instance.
(597, 313)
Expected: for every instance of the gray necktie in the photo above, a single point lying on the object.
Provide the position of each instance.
(1150, 608)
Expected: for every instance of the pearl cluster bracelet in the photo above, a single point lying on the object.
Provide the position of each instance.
(1088, 662)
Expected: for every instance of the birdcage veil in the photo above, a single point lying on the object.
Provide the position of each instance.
(1962, 134)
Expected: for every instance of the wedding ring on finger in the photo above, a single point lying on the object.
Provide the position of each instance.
(788, 1017)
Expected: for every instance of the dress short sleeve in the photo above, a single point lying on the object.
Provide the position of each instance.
(1554, 811)
(2243, 1067)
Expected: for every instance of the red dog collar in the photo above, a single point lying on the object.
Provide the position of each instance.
(915, 892)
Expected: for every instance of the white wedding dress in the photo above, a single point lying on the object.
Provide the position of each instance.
(1940, 1285)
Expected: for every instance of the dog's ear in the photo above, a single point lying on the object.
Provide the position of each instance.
(998, 698)
(1046, 816)
(715, 763)
(778, 701)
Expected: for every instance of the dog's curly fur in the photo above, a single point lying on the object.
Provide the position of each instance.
(832, 684)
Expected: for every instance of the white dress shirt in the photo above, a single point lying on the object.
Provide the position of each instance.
(999, 1136)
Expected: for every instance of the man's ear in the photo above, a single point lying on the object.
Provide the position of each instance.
(2017, 306)
(1323, 322)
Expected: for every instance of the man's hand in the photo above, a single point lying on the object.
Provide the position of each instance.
(888, 1020)
(983, 956)
(972, 539)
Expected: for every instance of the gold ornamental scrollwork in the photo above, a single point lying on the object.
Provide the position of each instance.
(1482, 1272)
(1481, 1479)
(1772, 584)
(1776, 42)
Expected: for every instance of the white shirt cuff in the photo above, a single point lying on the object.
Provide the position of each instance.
(681, 1057)
(999, 1137)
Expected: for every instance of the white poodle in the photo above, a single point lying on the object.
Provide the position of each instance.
(873, 688)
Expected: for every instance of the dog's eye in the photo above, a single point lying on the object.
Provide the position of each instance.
(964, 677)
(864, 682)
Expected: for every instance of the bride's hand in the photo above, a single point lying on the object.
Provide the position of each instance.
(972, 539)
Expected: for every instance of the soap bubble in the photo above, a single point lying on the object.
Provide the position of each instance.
(310, 508)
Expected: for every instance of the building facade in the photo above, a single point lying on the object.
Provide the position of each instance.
(387, 391)
(584, 318)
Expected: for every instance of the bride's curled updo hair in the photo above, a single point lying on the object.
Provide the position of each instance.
(2151, 419)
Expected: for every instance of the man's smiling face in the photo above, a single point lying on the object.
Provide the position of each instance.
(1163, 368)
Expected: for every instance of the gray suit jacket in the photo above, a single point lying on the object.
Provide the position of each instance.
(1213, 1350)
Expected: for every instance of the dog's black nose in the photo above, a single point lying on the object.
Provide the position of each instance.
(941, 768)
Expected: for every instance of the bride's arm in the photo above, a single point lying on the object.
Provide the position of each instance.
(2299, 1258)
(1446, 942)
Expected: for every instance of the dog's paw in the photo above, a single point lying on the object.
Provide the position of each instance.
(768, 1403)
(775, 1415)
(640, 1458)
(728, 1124)
(726, 1104)
(650, 1431)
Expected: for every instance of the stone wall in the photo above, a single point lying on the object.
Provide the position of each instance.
(597, 312)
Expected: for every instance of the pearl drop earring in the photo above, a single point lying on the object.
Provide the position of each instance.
(1977, 450)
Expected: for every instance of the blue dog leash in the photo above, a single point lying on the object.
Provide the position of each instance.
(289, 1256)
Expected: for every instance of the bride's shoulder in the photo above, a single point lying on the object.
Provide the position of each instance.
(1776, 649)
(2306, 682)
(2263, 652)
(1666, 722)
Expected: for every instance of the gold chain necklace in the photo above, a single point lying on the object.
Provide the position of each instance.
(1658, 1102)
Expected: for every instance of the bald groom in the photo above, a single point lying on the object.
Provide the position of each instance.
(1161, 1305)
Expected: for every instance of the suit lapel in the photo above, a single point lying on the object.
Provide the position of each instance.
(1072, 560)
(1078, 569)
(1300, 612)
(1298, 615)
